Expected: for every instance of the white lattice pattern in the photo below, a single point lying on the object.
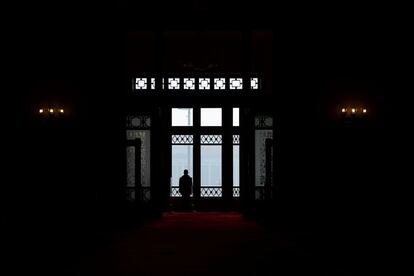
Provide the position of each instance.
(189, 83)
(219, 83)
(173, 83)
(254, 83)
(140, 83)
(236, 83)
(204, 83)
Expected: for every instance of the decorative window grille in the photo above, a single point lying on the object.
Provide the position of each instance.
(263, 122)
(211, 191)
(173, 83)
(236, 139)
(204, 83)
(260, 149)
(130, 193)
(263, 157)
(145, 136)
(236, 83)
(254, 83)
(130, 152)
(175, 192)
(182, 139)
(211, 139)
(140, 83)
(236, 191)
(189, 83)
(152, 83)
(144, 194)
(259, 193)
(138, 122)
(219, 83)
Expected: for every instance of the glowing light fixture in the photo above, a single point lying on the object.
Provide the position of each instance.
(353, 111)
(51, 111)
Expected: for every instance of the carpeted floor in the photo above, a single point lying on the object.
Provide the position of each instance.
(207, 243)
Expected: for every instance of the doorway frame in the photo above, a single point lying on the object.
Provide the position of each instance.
(227, 130)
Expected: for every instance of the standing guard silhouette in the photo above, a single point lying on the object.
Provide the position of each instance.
(186, 189)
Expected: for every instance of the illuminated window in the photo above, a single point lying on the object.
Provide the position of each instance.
(236, 83)
(236, 165)
(219, 83)
(236, 116)
(210, 116)
(181, 159)
(236, 170)
(210, 171)
(189, 83)
(181, 117)
(204, 83)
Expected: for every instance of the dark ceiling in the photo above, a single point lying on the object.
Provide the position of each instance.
(70, 43)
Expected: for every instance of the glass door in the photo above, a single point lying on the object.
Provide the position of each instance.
(181, 159)
(211, 166)
(205, 141)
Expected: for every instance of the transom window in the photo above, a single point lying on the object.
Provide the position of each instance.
(182, 117)
(236, 116)
(197, 83)
(210, 116)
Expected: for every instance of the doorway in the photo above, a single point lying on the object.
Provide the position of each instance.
(205, 141)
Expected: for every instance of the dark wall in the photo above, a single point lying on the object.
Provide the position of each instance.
(327, 169)
(61, 171)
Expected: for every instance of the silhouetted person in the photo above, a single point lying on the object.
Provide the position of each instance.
(186, 189)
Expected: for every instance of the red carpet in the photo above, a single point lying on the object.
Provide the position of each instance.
(205, 243)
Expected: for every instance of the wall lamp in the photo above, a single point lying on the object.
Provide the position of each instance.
(354, 112)
(51, 111)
